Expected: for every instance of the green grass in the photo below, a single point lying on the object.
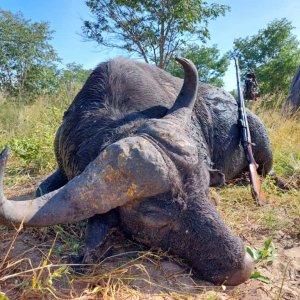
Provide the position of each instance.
(29, 130)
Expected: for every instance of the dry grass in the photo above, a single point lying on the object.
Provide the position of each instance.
(29, 130)
(36, 271)
(285, 139)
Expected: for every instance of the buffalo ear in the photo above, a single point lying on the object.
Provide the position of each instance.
(217, 178)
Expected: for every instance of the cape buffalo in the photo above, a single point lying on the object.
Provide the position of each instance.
(128, 154)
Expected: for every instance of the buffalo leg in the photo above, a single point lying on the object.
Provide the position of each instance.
(262, 150)
(52, 183)
(98, 229)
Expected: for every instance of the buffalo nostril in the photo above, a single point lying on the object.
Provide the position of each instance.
(243, 274)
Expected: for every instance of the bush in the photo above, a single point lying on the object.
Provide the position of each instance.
(29, 130)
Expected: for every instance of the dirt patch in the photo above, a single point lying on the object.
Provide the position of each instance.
(284, 273)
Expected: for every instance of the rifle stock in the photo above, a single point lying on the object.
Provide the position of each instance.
(256, 188)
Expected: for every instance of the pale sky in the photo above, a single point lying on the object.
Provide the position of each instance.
(65, 18)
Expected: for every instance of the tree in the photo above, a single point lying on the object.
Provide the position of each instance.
(273, 54)
(40, 79)
(152, 29)
(27, 60)
(72, 78)
(74, 74)
(211, 67)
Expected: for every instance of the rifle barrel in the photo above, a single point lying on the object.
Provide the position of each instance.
(256, 187)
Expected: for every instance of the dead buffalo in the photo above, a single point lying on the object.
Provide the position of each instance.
(128, 154)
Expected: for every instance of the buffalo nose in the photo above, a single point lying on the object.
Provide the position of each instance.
(242, 275)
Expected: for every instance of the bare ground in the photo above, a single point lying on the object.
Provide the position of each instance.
(33, 261)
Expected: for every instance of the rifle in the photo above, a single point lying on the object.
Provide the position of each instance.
(256, 189)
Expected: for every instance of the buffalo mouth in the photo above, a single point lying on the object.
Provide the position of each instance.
(243, 274)
(195, 233)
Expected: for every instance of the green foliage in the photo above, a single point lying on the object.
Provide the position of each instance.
(210, 65)
(27, 60)
(271, 220)
(70, 237)
(72, 76)
(34, 151)
(269, 185)
(41, 79)
(287, 164)
(152, 29)
(271, 102)
(258, 276)
(9, 113)
(284, 135)
(30, 131)
(265, 254)
(273, 54)
(3, 296)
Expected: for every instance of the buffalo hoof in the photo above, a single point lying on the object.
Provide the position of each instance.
(77, 265)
